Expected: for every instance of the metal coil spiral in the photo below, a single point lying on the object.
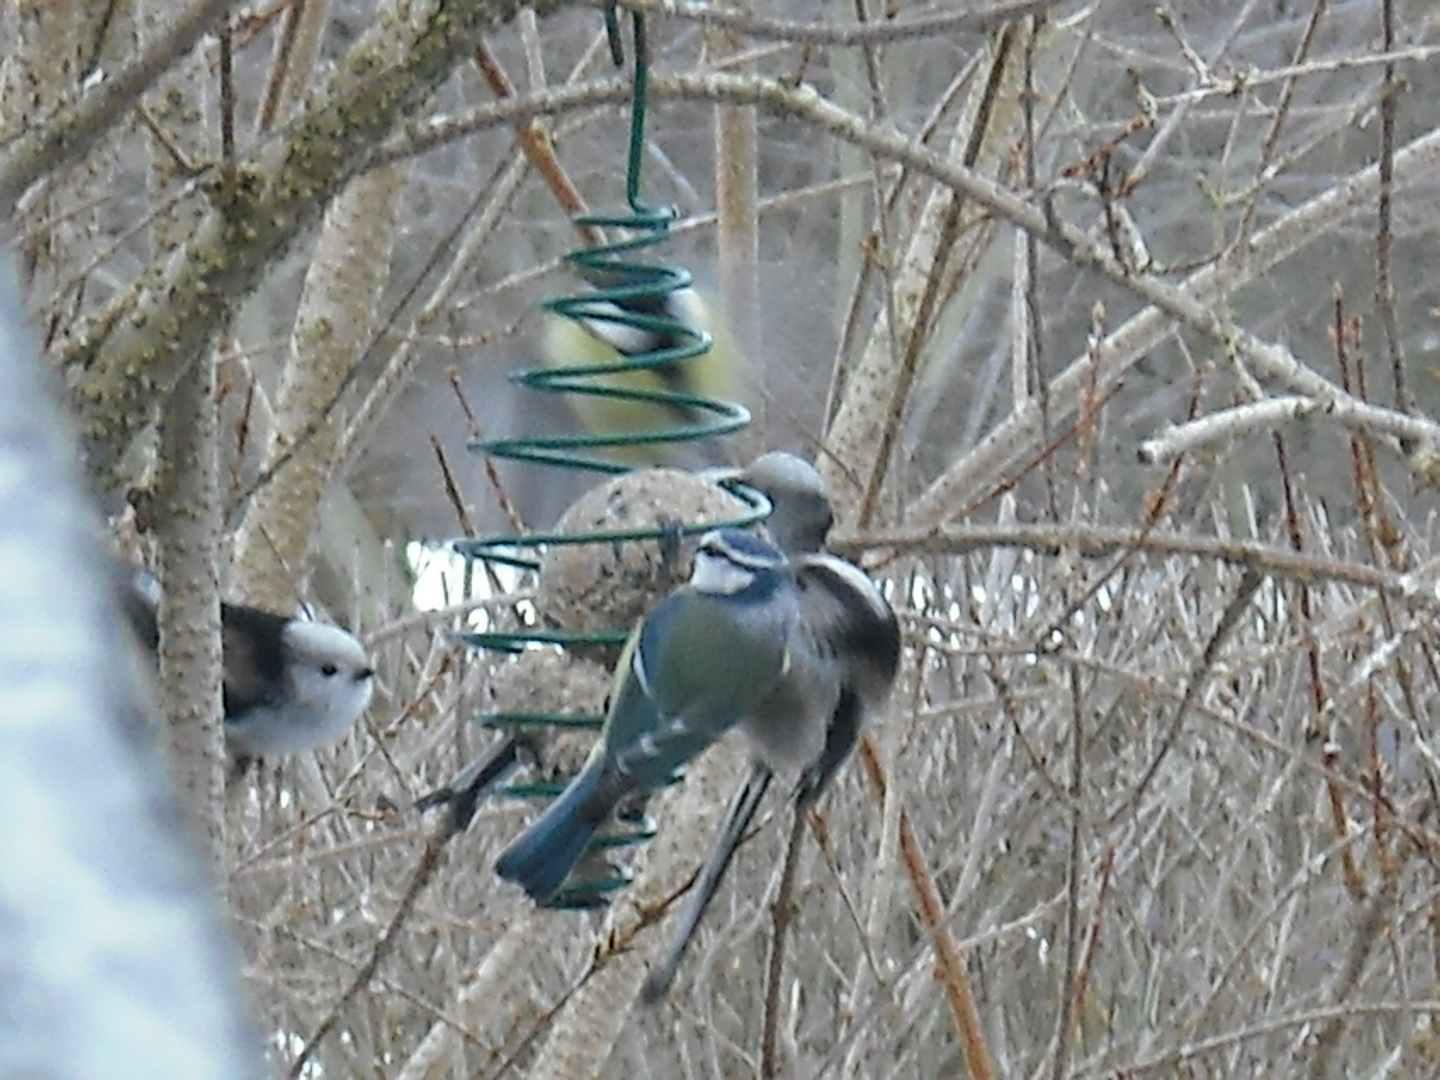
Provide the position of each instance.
(621, 279)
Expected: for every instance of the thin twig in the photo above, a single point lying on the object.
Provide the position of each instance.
(1370, 930)
(430, 861)
(781, 912)
(1081, 983)
(227, 99)
(865, 33)
(1172, 1063)
(1384, 280)
(452, 488)
(931, 909)
(1250, 582)
(538, 148)
(1157, 505)
(1350, 871)
(72, 132)
(1281, 115)
(1091, 541)
(1073, 869)
(492, 474)
(277, 81)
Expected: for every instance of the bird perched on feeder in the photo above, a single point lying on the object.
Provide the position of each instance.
(701, 662)
(290, 684)
(844, 656)
(612, 331)
(800, 512)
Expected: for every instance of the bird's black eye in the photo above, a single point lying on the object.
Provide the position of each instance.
(328, 670)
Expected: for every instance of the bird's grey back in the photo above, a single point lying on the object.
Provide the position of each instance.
(846, 634)
(787, 732)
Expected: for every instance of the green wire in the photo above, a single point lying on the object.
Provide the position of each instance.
(641, 88)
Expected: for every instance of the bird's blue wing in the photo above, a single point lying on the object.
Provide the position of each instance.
(540, 858)
(694, 669)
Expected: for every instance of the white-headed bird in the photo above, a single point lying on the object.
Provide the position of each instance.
(289, 684)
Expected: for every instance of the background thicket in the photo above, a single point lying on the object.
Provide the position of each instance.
(1112, 328)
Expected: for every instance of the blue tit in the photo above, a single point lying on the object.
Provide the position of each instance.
(601, 337)
(701, 662)
(845, 655)
(290, 685)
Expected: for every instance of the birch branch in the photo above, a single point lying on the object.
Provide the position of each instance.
(136, 351)
(75, 129)
(598, 1013)
(1263, 415)
(1193, 303)
(189, 616)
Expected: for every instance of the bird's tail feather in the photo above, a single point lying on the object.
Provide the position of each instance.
(539, 858)
(742, 812)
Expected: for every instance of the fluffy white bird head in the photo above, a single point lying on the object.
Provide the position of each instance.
(325, 683)
(329, 668)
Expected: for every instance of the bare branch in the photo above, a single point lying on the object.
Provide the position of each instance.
(70, 134)
(280, 192)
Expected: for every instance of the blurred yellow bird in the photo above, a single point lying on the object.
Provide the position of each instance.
(594, 339)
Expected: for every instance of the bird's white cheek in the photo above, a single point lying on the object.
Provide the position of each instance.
(360, 694)
(338, 698)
